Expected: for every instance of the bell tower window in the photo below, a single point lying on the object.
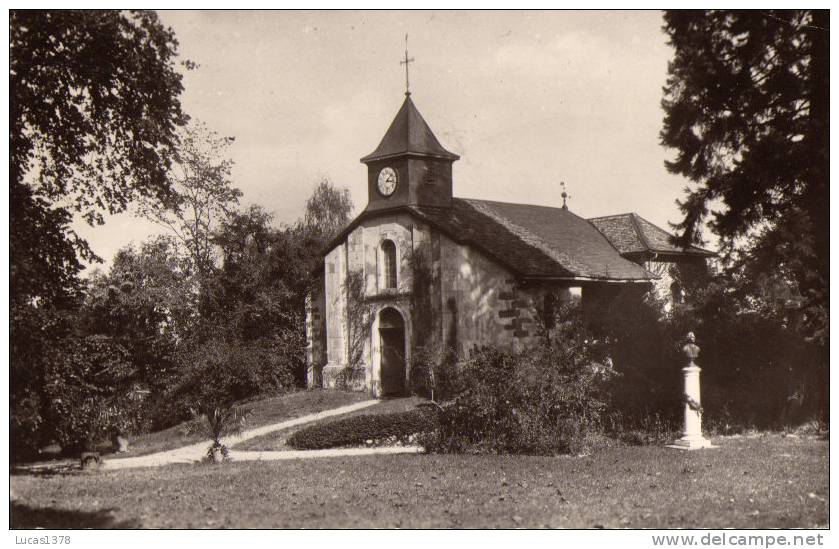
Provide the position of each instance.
(388, 265)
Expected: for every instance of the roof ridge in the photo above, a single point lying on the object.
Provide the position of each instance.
(521, 204)
(611, 216)
(604, 235)
(634, 218)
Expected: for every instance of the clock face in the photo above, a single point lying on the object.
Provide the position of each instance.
(387, 181)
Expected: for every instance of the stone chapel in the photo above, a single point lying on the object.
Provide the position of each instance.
(420, 267)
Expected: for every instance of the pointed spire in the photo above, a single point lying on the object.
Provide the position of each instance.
(409, 134)
(565, 196)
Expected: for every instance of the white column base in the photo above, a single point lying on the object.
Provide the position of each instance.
(691, 443)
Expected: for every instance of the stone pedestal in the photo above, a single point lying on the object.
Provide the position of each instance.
(692, 438)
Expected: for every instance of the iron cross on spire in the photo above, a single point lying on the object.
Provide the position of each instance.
(405, 62)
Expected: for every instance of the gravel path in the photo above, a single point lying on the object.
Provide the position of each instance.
(238, 455)
(194, 452)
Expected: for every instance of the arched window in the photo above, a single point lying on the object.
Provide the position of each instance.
(389, 264)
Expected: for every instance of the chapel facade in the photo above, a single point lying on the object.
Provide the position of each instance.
(422, 269)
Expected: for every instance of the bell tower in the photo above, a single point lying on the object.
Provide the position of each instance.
(410, 166)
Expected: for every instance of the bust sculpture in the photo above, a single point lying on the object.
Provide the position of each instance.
(692, 438)
(691, 349)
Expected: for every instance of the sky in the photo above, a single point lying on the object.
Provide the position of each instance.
(527, 99)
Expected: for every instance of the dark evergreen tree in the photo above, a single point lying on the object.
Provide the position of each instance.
(747, 111)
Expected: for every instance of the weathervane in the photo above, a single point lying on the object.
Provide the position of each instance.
(405, 62)
(565, 196)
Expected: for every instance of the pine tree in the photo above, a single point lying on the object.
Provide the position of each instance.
(747, 111)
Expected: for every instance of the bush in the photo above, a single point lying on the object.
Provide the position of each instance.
(545, 400)
(359, 429)
(87, 384)
(219, 371)
(433, 373)
(742, 347)
(645, 347)
(215, 423)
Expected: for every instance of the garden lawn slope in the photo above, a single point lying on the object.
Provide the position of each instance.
(766, 482)
(264, 411)
(276, 441)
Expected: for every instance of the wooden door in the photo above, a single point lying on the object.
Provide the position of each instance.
(392, 338)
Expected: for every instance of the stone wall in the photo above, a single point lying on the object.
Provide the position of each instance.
(335, 305)
(458, 297)
(471, 287)
(316, 334)
(361, 253)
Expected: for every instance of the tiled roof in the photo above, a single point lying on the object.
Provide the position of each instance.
(531, 241)
(546, 242)
(631, 233)
(409, 134)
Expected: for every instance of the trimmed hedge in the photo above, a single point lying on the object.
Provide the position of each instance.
(359, 429)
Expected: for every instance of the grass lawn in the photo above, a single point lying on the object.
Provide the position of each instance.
(263, 412)
(276, 440)
(763, 482)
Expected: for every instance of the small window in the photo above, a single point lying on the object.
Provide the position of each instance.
(389, 264)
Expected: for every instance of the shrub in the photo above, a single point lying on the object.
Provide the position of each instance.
(742, 347)
(359, 429)
(645, 350)
(544, 400)
(433, 373)
(214, 423)
(223, 370)
(87, 384)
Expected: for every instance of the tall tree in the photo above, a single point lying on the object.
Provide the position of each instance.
(327, 210)
(143, 301)
(747, 111)
(204, 194)
(94, 105)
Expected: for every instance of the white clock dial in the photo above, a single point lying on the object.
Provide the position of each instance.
(388, 179)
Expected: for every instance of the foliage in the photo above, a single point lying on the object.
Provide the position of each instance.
(261, 285)
(643, 345)
(359, 429)
(743, 345)
(260, 290)
(423, 364)
(33, 330)
(96, 125)
(68, 387)
(214, 423)
(434, 372)
(204, 193)
(747, 108)
(327, 211)
(94, 108)
(88, 383)
(544, 400)
(359, 324)
(220, 370)
(143, 303)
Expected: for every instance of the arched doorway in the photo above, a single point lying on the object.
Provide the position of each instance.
(392, 338)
